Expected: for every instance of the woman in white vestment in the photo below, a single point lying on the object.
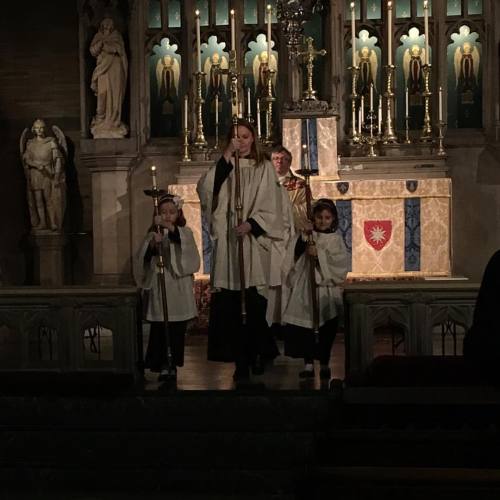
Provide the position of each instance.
(329, 255)
(181, 259)
(262, 233)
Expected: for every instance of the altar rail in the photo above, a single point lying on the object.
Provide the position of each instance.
(415, 307)
(70, 329)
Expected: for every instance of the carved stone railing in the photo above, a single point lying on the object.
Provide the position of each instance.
(70, 329)
(416, 307)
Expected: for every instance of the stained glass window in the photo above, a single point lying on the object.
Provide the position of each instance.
(373, 9)
(403, 8)
(357, 9)
(221, 13)
(475, 7)
(454, 8)
(202, 6)
(174, 14)
(250, 11)
(420, 8)
(154, 20)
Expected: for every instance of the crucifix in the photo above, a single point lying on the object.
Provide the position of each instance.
(310, 54)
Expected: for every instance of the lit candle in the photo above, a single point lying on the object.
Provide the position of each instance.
(198, 40)
(353, 120)
(249, 111)
(186, 112)
(240, 109)
(353, 34)
(269, 20)
(359, 120)
(362, 108)
(380, 113)
(407, 103)
(153, 175)
(233, 32)
(258, 117)
(371, 97)
(426, 32)
(217, 109)
(440, 107)
(389, 33)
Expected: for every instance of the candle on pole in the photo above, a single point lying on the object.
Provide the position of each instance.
(389, 33)
(249, 109)
(269, 21)
(440, 107)
(233, 32)
(407, 103)
(217, 109)
(186, 111)
(153, 175)
(198, 41)
(353, 34)
(426, 31)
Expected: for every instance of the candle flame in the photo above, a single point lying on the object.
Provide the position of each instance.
(389, 5)
(269, 7)
(425, 4)
(232, 12)
(153, 168)
(352, 5)
(197, 13)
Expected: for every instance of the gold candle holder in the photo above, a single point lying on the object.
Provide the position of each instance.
(269, 99)
(441, 126)
(310, 53)
(426, 135)
(354, 136)
(186, 156)
(199, 142)
(389, 136)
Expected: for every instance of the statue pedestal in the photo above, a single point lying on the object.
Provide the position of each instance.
(49, 257)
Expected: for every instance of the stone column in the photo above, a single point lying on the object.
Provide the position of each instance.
(49, 257)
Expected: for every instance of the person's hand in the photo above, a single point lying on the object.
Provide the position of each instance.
(234, 145)
(312, 250)
(169, 225)
(308, 227)
(157, 238)
(243, 229)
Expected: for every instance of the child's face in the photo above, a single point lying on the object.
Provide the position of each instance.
(323, 220)
(168, 212)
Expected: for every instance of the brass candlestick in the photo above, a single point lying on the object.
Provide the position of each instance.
(269, 99)
(354, 136)
(426, 135)
(186, 156)
(441, 126)
(389, 136)
(200, 142)
(371, 139)
(310, 55)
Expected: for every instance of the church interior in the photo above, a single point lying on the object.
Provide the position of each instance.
(389, 108)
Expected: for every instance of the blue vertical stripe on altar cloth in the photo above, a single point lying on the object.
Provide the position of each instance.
(206, 244)
(412, 234)
(313, 141)
(344, 210)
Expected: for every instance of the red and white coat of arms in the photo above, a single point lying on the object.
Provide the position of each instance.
(378, 233)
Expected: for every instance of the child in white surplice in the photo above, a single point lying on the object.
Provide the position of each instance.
(330, 259)
(181, 259)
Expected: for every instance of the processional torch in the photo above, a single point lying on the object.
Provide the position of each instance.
(306, 172)
(239, 215)
(160, 263)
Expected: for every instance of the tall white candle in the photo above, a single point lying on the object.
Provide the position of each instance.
(233, 32)
(353, 34)
(258, 118)
(440, 107)
(249, 109)
(389, 33)
(153, 175)
(362, 108)
(269, 20)
(186, 111)
(380, 113)
(217, 109)
(371, 97)
(198, 41)
(359, 120)
(426, 32)
(407, 102)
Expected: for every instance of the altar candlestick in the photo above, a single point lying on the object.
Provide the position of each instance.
(186, 111)
(269, 20)
(380, 114)
(371, 97)
(389, 33)
(198, 40)
(440, 107)
(407, 103)
(233, 32)
(426, 32)
(353, 34)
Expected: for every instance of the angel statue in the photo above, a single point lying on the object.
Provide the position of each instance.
(167, 78)
(215, 81)
(367, 61)
(413, 62)
(467, 61)
(260, 66)
(43, 161)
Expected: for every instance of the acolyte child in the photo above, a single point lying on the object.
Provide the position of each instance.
(181, 260)
(330, 259)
